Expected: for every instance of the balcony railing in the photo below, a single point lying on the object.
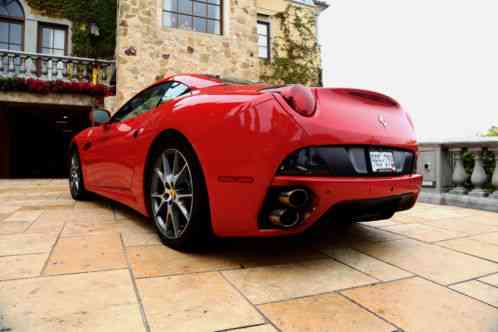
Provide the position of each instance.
(52, 67)
(461, 172)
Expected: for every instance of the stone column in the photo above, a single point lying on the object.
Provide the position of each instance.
(459, 175)
(479, 176)
(494, 180)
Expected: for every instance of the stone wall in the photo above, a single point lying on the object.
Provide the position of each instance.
(147, 51)
(162, 51)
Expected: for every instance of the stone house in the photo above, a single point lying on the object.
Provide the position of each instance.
(46, 92)
(38, 116)
(229, 38)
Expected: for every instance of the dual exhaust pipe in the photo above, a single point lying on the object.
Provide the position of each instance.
(290, 216)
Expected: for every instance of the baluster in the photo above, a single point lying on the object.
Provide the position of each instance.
(103, 73)
(75, 77)
(45, 69)
(479, 176)
(459, 175)
(35, 66)
(55, 71)
(27, 63)
(11, 60)
(86, 77)
(65, 70)
(22, 68)
(494, 179)
(58, 69)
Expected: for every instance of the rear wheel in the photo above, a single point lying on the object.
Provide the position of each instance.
(76, 186)
(178, 199)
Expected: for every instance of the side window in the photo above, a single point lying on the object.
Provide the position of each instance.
(144, 102)
(175, 89)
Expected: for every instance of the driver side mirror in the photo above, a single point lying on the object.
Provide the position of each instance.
(99, 116)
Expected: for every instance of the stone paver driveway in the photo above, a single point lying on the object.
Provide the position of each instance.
(67, 266)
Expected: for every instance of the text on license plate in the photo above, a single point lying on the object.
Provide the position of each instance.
(382, 161)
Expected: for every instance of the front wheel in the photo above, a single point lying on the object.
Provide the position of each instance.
(76, 186)
(177, 197)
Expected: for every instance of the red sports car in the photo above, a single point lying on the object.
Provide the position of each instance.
(199, 154)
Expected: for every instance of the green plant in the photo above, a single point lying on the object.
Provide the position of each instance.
(295, 51)
(81, 14)
(493, 131)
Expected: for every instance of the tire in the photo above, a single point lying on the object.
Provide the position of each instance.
(76, 183)
(177, 196)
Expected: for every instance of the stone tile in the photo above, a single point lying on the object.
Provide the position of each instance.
(47, 224)
(492, 279)
(103, 301)
(482, 217)
(150, 261)
(20, 244)
(258, 328)
(264, 252)
(136, 225)
(328, 312)
(196, 302)
(442, 265)
(281, 282)
(86, 253)
(140, 239)
(366, 264)
(13, 227)
(89, 226)
(464, 227)
(479, 290)
(419, 305)
(473, 247)
(422, 232)
(7, 209)
(25, 266)
(361, 233)
(491, 238)
(380, 223)
(24, 215)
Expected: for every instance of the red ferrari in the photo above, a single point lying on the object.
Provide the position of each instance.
(200, 154)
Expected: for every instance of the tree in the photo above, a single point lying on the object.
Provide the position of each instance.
(493, 131)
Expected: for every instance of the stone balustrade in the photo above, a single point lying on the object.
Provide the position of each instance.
(51, 67)
(446, 180)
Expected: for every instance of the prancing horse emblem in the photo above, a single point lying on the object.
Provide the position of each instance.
(382, 121)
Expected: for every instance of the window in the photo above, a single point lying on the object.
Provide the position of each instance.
(11, 25)
(149, 100)
(52, 39)
(264, 40)
(196, 15)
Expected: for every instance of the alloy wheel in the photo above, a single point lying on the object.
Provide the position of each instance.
(172, 194)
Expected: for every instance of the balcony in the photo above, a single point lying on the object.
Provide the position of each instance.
(55, 68)
(461, 172)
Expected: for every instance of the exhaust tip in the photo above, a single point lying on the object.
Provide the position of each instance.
(286, 218)
(295, 198)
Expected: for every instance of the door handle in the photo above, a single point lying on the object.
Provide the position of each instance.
(137, 132)
(87, 145)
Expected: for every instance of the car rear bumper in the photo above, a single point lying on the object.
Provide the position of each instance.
(354, 198)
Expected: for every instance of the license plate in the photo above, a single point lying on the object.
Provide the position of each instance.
(382, 161)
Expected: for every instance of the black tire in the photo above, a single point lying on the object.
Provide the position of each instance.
(76, 183)
(196, 228)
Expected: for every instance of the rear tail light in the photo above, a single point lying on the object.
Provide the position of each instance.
(300, 99)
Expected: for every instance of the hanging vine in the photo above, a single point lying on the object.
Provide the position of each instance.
(295, 50)
(82, 14)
